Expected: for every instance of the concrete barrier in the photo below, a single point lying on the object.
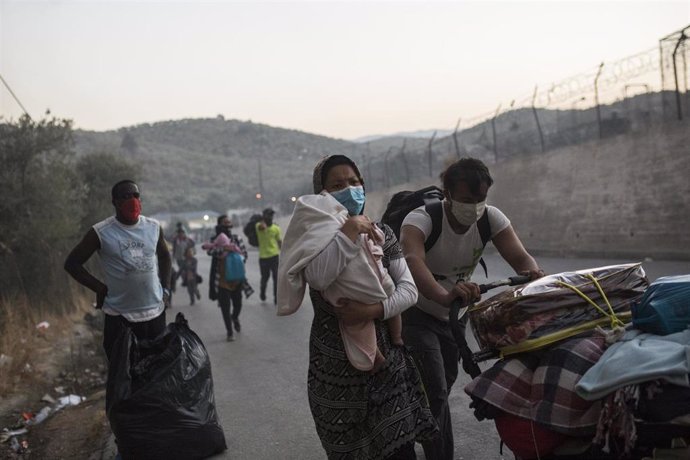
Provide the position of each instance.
(626, 196)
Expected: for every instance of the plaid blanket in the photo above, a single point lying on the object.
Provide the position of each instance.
(540, 386)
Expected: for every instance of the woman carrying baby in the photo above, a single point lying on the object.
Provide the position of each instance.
(364, 391)
(223, 288)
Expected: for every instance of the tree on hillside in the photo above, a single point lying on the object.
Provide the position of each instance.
(97, 174)
(129, 144)
(39, 212)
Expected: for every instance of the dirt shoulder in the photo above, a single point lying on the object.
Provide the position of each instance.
(67, 360)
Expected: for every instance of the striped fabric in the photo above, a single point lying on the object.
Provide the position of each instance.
(540, 386)
(360, 415)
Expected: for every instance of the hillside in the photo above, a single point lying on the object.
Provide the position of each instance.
(214, 163)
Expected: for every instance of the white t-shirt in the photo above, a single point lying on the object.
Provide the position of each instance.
(453, 256)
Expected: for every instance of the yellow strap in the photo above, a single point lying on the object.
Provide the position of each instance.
(614, 319)
(548, 339)
(612, 316)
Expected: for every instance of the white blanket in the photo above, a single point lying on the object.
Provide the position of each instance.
(316, 220)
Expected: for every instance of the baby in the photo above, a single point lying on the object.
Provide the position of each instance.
(221, 243)
(315, 221)
(359, 337)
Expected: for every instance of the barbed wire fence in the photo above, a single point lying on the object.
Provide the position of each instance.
(614, 98)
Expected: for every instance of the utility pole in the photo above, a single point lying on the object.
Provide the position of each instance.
(260, 195)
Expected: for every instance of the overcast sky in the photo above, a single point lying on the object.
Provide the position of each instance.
(342, 69)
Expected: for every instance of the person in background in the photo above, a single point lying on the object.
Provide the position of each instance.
(190, 276)
(180, 244)
(269, 237)
(228, 293)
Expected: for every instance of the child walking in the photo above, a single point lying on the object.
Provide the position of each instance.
(190, 277)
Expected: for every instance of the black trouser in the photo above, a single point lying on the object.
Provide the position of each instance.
(268, 267)
(225, 297)
(192, 290)
(406, 452)
(436, 355)
(145, 330)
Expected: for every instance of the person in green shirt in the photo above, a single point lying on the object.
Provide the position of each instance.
(270, 240)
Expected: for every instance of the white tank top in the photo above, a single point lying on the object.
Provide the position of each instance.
(129, 261)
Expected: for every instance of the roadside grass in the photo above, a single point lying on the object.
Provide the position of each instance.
(67, 354)
(23, 346)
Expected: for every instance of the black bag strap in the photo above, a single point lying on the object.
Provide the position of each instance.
(484, 227)
(485, 234)
(435, 211)
(469, 365)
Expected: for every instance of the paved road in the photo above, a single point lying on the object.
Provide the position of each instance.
(260, 379)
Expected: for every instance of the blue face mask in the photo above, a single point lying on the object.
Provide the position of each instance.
(352, 198)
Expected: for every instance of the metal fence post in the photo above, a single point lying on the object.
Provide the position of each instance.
(536, 119)
(679, 105)
(370, 178)
(596, 96)
(493, 129)
(404, 159)
(431, 141)
(455, 137)
(385, 167)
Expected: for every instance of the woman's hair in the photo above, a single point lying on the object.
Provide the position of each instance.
(469, 170)
(322, 167)
(219, 227)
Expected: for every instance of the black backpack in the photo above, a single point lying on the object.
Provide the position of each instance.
(250, 230)
(430, 197)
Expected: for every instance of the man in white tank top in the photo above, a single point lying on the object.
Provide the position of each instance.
(136, 264)
(443, 274)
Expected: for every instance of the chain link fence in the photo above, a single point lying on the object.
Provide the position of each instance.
(611, 99)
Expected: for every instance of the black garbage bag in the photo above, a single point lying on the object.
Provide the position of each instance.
(159, 397)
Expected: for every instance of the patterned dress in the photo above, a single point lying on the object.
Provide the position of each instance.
(360, 415)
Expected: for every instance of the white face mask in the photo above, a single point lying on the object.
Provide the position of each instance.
(467, 213)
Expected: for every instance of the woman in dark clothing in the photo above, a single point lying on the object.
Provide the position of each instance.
(376, 414)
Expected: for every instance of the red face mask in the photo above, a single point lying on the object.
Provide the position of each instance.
(131, 209)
